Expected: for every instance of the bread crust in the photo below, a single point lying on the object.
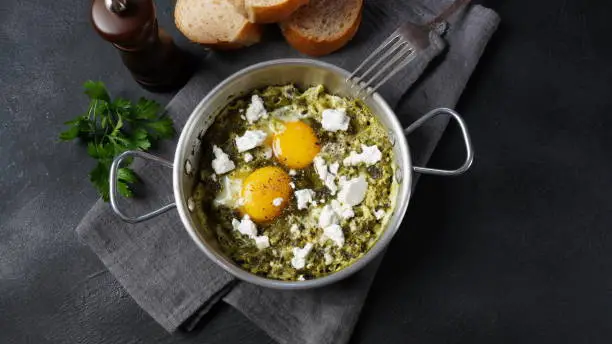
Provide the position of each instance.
(248, 35)
(239, 5)
(315, 47)
(274, 14)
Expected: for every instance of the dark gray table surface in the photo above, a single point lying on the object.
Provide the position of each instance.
(516, 251)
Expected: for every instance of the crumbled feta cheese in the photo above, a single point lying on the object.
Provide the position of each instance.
(262, 242)
(246, 227)
(353, 191)
(292, 172)
(277, 201)
(369, 155)
(345, 211)
(333, 168)
(248, 157)
(320, 167)
(301, 278)
(267, 154)
(213, 177)
(331, 184)
(230, 193)
(256, 109)
(327, 217)
(329, 179)
(322, 200)
(335, 234)
(292, 184)
(304, 197)
(299, 256)
(242, 117)
(250, 140)
(221, 163)
(380, 213)
(335, 119)
(328, 258)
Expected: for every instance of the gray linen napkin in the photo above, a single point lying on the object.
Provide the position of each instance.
(176, 284)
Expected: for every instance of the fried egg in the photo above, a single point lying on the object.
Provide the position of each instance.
(265, 193)
(296, 145)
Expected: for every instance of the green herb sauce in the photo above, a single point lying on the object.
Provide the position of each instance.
(361, 232)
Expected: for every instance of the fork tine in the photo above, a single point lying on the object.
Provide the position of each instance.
(390, 40)
(406, 59)
(395, 49)
(389, 64)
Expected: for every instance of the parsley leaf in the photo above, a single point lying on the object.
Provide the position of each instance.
(127, 175)
(96, 90)
(111, 127)
(70, 134)
(140, 139)
(99, 178)
(161, 128)
(147, 109)
(78, 126)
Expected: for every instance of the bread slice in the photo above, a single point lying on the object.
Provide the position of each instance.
(323, 26)
(239, 5)
(267, 11)
(215, 23)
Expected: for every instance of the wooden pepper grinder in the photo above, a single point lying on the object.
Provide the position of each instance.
(147, 51)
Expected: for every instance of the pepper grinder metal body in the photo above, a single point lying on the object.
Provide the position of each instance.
(147, 51)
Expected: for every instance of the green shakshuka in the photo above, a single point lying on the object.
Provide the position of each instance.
(295, 184)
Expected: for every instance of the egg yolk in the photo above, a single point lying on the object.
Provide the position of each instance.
(265, 193)
(296, 146)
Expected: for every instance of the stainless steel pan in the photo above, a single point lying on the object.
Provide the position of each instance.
(302, 73)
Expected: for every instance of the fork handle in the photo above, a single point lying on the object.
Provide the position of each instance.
(449, 11)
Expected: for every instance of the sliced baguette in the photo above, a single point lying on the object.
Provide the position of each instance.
(239, 5)
(215, 23)
(267, 11)
(323, 26)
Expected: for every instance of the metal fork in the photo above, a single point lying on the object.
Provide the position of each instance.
(396, 52)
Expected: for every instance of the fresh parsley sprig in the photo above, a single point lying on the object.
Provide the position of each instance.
(111, 127)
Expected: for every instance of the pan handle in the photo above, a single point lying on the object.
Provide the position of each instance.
(466, 138)
(113, 186)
